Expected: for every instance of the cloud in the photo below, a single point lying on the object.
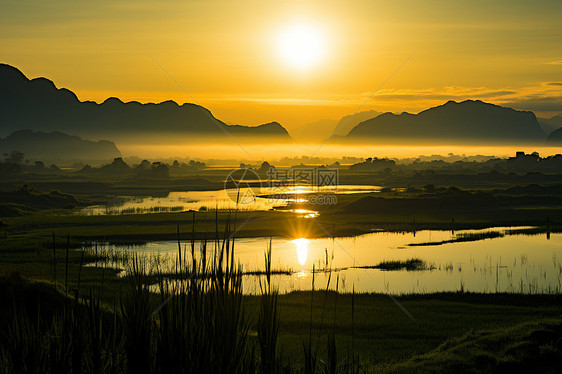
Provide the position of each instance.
(540, 97)
(445, 93)
(539, 104)
(554, 62)
(543, 96)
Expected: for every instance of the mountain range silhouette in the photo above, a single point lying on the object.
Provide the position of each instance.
(57, 146)
(552, 126)
(470, 120)
(39, 105)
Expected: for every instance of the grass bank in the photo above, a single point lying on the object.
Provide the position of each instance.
(474, 331)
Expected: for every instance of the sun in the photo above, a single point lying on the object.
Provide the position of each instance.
(301, 46)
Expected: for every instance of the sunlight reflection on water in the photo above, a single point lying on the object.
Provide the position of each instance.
(181, 201)
(302, 249)
(513, 263)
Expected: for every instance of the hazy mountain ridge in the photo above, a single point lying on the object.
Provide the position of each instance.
(555, 137)
(314, 131)
(54, 146)
(550, 125)
(470, 120)
(348, 123)
(322, 129)
(40, 105)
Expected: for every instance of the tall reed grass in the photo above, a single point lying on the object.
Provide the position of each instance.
(194, 321)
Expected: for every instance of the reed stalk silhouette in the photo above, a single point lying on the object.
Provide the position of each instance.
(268, 320)
(191, 321)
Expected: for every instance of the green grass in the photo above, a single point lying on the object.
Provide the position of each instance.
(529, 347)
(380, 332)
(352, 215)
(159, 226)
(163, 226)
(369, 329)
(384, 337)
(197, 324)
(384, 334)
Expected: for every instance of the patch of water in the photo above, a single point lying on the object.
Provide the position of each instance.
(510, 263)
(262, 199)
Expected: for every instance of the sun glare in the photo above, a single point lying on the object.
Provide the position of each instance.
(302, 249)
(301, 46)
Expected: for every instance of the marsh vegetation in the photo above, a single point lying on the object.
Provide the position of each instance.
(171, 287)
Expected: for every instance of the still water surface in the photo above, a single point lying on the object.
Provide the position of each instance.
(512, 263)
(254, 199)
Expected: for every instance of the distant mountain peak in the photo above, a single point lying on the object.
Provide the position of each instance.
(452, 122)
(112, 100)
(273, 124)
(44, 82)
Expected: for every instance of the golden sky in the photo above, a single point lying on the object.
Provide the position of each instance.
(226, 54)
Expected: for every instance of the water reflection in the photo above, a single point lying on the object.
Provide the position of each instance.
(512, 263)
(180, 201)
(306, 213)
(302, 249)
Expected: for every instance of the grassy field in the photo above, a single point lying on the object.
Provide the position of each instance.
(383, 336)
(164, 226)
(447, 330)
(372, 325)
(446, 209)
(42, 247)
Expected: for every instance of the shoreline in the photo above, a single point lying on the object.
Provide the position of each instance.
(165, 226)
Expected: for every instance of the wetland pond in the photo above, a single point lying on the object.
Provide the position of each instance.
(499, 259)
(250, 199)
